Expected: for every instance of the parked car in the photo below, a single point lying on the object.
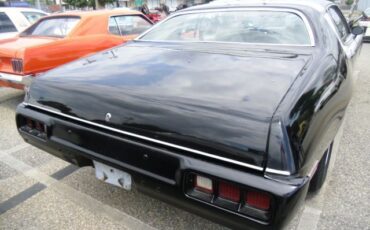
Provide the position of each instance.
(61, 38)
(153, 14)
(14, 20)
(228, 110)
(365, 22)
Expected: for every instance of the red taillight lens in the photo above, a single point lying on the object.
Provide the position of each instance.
(258, 200)
(29, 123)
(203, 184)
(229, 191)
(39, 126)
(17, 65)
(33, 127)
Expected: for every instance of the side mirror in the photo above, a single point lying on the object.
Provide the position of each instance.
(357, 30)
(365, 15)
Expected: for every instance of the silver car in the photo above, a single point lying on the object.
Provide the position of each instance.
(14, 20)
(365, 22)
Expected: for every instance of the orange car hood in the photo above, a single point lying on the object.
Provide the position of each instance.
(14, 47)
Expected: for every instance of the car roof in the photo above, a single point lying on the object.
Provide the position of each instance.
(87, 14)
(319, 5)
(92, 22)
(18, 9)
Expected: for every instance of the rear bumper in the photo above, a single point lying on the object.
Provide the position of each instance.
(13, 80)
(162, 171)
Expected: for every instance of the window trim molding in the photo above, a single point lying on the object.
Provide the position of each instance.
(307, 24)
(122, 15)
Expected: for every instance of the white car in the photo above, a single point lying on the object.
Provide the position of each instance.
(14, 20)
(366, 23)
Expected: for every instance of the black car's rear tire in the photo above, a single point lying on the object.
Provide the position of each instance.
(322, 169)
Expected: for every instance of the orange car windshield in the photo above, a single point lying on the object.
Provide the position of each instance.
(52, 27)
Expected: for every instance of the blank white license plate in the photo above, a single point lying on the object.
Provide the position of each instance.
(112, 175)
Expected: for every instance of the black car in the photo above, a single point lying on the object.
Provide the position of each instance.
(228, 110)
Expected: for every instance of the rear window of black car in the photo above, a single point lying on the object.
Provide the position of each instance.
(250, 26)
(6, 25)
(52, 27)
(128, 25)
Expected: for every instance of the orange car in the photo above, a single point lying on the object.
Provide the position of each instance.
(61, 38)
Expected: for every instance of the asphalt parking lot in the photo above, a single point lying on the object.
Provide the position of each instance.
(39, 191)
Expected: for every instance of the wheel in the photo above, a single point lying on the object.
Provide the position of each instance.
(322, 169)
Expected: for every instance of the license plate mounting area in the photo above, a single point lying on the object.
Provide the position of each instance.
(112, 176)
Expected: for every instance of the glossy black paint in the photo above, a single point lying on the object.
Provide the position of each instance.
(231, 93)
(277, 108)
(160, 172)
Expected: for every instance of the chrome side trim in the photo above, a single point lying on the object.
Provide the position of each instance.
(246, 165)
(280, 172)
(244, 8)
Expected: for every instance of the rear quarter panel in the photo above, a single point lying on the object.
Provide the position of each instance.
(42, 58)
(315, 109)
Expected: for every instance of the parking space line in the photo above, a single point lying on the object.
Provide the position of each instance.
(310, 219)
(27, 170)
(34, 189)
(14, 149)
(64, 172)
(21, 197)
(79, 198)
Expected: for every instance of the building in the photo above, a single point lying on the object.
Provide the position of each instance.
(363, 5)
(14, 3)
(172, 4)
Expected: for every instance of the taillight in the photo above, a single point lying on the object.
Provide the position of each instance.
(40, 126)
(203, 184)
(229, 195)
(17, 65)
(258, 200)
(29, 123)
(33, 127)
(229, 191)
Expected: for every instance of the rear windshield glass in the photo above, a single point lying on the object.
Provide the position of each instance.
(33, 16)
(6, 25)
(271, 27)
(128, 25)
(52, 27)
(367, 12)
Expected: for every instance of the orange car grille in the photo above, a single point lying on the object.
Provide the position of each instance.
(17, 65)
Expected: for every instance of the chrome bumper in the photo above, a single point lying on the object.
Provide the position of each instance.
(16, 79)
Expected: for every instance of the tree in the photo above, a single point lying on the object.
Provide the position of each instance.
(78, 3)
(87, 3)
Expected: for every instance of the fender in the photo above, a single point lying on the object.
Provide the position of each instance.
(309, 117)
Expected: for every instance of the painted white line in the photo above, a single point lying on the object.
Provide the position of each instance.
(14, 149)
(310, 219)
(79, 198)
(356, 73)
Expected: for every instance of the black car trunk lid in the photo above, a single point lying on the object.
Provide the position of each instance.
(208, 103)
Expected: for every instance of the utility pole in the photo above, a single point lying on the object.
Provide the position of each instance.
(97, 6)
(353, 6)
(38, 5)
